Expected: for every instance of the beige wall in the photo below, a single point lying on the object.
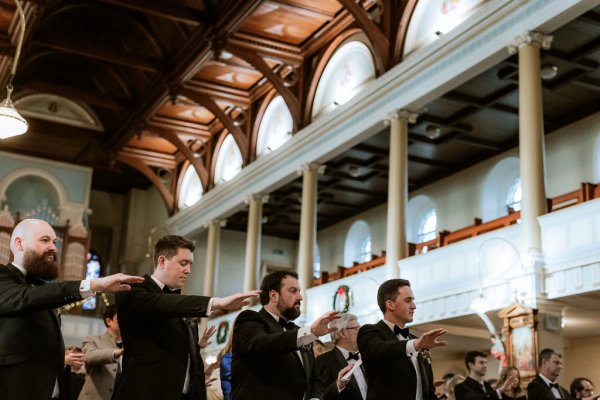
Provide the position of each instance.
(581, 359)
(106, 224)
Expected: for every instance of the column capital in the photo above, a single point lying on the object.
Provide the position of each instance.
(264, 198)
(530, 37)
(312, 167)
(406, 115)
(215, 222)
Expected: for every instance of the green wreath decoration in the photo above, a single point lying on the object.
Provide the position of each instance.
(342, 293)
(222, 332)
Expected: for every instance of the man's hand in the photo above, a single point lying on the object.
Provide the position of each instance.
(235, 301)
(428, 340)
(114, 283)
(117, 353)
(319, 327)
(74, 359)
(208, 333)
(341, 384)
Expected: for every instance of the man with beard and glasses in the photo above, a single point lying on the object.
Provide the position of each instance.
(31, 346)
(273, 359)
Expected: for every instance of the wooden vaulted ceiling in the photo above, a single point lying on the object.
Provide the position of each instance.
(167, 80)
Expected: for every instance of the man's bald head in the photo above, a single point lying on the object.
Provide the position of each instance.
(32, 245)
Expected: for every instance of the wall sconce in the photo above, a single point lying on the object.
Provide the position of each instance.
(11, 122)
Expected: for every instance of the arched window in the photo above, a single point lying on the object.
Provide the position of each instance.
(513, 197)
(432, 19)
(275, 128)
(358, 244)
(317, 262)
(428, 226)
(229, 161)
(191, 188)
(348, 71)
(93, 271)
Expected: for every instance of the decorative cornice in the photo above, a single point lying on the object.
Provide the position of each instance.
(311, 167)
(405, 115)
(263, 198)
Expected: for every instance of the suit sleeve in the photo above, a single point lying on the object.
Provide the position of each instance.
(94, 355)
(374, 347)
(463, 392)
(252, 338)
(144, 304)
(17, 298)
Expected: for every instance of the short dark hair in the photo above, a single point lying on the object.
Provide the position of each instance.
(471, 356)
(169, 245)
(272, 281)
(109, 313)
(389, 291)
(546, 354)
(577, 385)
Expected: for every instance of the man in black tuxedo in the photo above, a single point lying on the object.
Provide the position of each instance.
(333, 365)
(544, 386)
(162, 354)
(475, 386)
(272, 358)
(32, 351)
(397, 363)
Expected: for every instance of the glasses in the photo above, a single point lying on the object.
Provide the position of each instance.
(354, 327)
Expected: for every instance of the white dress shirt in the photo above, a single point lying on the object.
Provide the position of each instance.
(358, 374)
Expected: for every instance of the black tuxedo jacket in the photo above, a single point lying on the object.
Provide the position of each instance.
(328, 366)
(470, 389)
(538, 390)
(390, 372)
(265, 361)
(32, 352)
(158, 343)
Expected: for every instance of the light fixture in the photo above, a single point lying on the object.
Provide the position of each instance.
(433, 132)
(548, 71)
(11, 122)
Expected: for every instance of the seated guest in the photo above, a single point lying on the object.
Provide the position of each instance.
(514, 390)
(581, 388)
(451, 386)
(475, 387)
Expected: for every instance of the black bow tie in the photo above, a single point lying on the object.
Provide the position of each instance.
(169, 291)
(353, 356)
(403, 331)
(288, 325)
(554, 385)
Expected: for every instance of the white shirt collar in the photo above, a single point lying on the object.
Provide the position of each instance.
(159, 283)
(20, 268)
(548, 381)
(273, 315)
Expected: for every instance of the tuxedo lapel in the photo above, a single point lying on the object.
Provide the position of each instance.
(275, 327)
(353, 385)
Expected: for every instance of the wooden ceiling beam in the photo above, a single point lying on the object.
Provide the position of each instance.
(162, 9)
(268, 48)
(151, 158)
(222, 93)
(137, 164)
(94, 52)
(76, 94)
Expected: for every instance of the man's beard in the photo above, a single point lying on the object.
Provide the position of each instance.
(290, 313)
(39, 266)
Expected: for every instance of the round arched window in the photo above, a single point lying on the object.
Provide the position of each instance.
(350, 68)
(93, 271)
(275, 128)
(191, 188)
(428, 226)
(229, 161)
(358, 244)
(513, 197)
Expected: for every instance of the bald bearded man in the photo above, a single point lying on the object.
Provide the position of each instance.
(31, 345)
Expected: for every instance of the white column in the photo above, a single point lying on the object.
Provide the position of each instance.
(253, 239)
(212, 255)
(531, 142)
(308, 227)
(397, 191)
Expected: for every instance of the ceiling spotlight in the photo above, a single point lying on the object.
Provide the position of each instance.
(433, 132)
(355, 171)
(548, 71)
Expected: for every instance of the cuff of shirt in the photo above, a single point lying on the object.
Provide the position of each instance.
(84, 289)
(410, 348)
(498, 393)
(305, 336)
(209, 307)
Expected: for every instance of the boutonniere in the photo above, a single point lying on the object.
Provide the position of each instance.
(425, 355)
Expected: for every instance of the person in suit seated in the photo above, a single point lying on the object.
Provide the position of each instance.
(102, 359)
(395, 361)
(544, 386)
(162, 351)
(31, 343)
(475, 387)
(272, 357)
(333, 365)
(581, 388)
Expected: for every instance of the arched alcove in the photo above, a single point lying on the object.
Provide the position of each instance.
(276, 127)
(357, 246)
(229, 160)
(495, 188)
(190, 190)
(417, 209)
